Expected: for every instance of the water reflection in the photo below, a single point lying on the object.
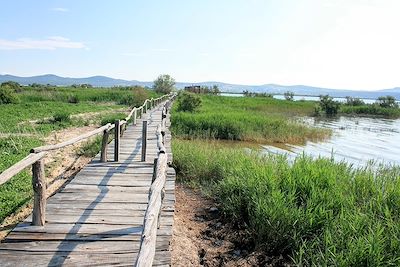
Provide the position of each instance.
(355, 140)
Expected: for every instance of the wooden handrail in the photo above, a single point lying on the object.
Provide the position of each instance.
(156, 195)
(148, 242)
(36, 160)
(71, 141)
(19, 166)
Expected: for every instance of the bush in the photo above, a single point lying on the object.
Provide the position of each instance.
(138, 96)
(328, 105)
(7, 96)
(289, 95)
(188, 102)
(10, 85)
(62, 117)
(73, 99)
(387, 102)
(354, 101)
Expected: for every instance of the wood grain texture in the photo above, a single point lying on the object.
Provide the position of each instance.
(18, 167)
(98, 218)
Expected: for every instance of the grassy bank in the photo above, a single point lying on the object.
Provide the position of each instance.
(257, 119)
(314, 212)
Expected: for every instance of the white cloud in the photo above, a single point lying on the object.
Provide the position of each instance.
(60, 9)
(50, 43)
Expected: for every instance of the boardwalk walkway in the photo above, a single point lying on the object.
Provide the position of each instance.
(97, 219)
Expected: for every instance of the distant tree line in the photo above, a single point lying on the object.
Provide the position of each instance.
(247, 93)
(197, 89)
(331, 107)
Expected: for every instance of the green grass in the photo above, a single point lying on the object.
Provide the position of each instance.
(63, 94)
(314, 212)
(371, 109)
(14, 117)
(247, 119)
(53, 109)
(17, 191)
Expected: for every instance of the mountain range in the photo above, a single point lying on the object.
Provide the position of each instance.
(103, 81)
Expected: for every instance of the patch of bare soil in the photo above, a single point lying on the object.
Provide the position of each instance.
(60, 167)
(202, 237)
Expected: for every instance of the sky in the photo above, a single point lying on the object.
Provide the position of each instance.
(341, 44)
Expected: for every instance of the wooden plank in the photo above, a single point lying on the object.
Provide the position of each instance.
(78, 259)
(97, 219)
(79, 246)
(64, 228)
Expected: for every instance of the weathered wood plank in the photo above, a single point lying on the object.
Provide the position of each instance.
(97, 219)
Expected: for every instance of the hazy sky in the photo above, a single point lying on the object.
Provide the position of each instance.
(343, 44)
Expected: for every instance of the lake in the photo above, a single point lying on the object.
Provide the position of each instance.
(356, 140)
(299, 98)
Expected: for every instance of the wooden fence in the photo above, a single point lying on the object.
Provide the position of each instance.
(35, 159)
(156, 195)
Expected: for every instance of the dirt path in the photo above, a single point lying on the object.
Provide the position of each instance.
(202, 237)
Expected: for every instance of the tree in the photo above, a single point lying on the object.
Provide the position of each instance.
(215, 90)
(387, 102)
(328, 105)
(164, 84)
(289, 95)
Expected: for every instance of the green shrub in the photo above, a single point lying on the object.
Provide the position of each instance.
(73, 99)
(10, 85)
(354, 101)
(188, 102)
(62, 117)
(289, 95)
(387, 102)
(328, 105)
(7, 96)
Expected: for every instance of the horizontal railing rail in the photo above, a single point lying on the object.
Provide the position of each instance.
(35, 159)
(156, 195)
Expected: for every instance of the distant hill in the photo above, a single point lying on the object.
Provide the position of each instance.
(103, 81)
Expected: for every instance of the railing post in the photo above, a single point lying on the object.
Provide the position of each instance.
(144, 140)
(104, 145)
(154, 170)
(116, 140)
(39, 190)
(134, 116)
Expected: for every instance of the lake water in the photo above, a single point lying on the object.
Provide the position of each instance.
(299, 98)
(355, 140)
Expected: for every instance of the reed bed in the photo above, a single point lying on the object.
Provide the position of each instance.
(313, 212)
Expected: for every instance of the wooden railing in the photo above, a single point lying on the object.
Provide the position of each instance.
(156, 195)
(35, 159)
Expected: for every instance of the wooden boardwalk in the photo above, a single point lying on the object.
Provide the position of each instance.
(97, 219)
